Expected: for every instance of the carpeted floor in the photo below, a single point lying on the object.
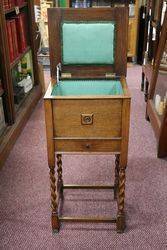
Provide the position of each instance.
(25, 193)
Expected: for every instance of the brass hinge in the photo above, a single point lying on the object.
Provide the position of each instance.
(66, 75)
(110, 75)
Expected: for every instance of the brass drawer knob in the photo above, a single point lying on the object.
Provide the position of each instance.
(87, 119)
(88, 146)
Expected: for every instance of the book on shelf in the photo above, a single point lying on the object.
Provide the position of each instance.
(81, 3)
(21, 31)
(14, 38)
(17, 35)
(8, 4)
(10, 42)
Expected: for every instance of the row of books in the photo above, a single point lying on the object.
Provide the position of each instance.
(7, 4)
(91, 3)
(17, 35)
(81, 3)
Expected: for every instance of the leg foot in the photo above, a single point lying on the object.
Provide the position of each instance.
(142, 82)
(120, 223)
(55, 222)
(55, 231)
(147, 117)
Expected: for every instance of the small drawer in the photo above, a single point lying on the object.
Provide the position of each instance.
(87, 145)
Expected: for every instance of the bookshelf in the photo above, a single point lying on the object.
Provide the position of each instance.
(21, 89)
(133, 17)
(154, 15)
(157, 101)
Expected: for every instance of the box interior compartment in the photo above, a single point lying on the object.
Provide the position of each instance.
(87, 87)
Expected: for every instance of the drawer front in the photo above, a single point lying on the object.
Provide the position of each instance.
(87, 118)
(87, 145)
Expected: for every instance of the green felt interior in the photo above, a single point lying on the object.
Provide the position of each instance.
(87, 87)
(88, 42)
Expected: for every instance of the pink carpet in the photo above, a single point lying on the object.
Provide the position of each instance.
(25, 191)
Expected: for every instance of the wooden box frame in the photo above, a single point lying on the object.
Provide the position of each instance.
(111, 138)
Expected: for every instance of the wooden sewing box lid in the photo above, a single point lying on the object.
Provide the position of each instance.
(88, 43)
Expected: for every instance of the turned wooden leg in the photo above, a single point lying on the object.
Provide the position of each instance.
(59, 171)
(142, 81)
(54, 206)
(120, 200)
(146, 91)
(116, 183)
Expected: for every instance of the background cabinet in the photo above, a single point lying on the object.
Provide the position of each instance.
(18, 69)
(132, 38)
(155, 13)
(133, 32)
(157, 102)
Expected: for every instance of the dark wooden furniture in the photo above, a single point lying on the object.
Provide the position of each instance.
(16, 115)
(151, 40)
(158, 113)
(87, 124)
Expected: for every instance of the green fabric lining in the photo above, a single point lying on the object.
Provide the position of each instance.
(87, 87)
(88, 42)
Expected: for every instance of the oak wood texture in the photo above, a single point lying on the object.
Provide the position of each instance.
(108, 132)
(159, 124)
(106, 121)
(87, 145)
(16, 119)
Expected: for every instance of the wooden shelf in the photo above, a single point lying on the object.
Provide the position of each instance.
(18, 106)
(13, 9)
(15, 62)
(16, 119)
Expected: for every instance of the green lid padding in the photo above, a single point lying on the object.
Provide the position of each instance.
(87, 87)
(88, 43)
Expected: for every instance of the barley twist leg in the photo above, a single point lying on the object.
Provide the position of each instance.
(121, 199)
(60, 175)
(54, 206)
(116, 183)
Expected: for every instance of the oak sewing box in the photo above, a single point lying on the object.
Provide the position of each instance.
(87, 104)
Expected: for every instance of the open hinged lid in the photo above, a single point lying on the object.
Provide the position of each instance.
(88, 42)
